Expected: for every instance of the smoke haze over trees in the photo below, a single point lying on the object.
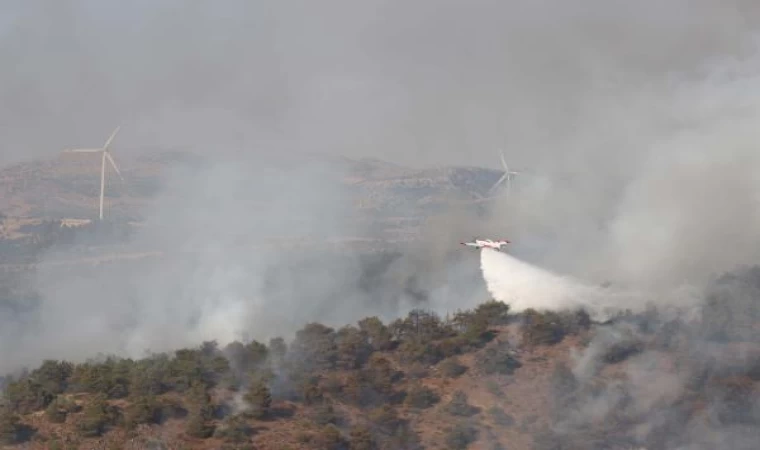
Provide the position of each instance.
(637, 122)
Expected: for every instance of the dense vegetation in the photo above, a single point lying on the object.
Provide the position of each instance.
(356, 387)
(652, 379)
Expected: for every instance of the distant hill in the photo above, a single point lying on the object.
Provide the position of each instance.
(42, 200)
(68, 187)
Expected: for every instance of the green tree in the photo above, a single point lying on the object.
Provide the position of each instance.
(314, 348)
(277, 349)
(421, 325)
(97, 416)
(26, 396)
(198, 426)
(378, 335)
(110, 377)
(420, 350)
(200, 412)
(53, 376)
(11, 428)
(148, 376)
(246, 357)
(59, 408)
(234, 429)
(205, 364)
(380, 375)
(310, 390)
(495, 312)
(142, 410)
(353, 348)
(259, 399)
(543, 328)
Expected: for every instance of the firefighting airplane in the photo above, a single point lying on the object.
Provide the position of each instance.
(486, 243)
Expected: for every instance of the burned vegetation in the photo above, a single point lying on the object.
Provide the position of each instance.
(660, 381)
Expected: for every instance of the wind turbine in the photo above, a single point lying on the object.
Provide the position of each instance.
(508, 174)
(106, 155)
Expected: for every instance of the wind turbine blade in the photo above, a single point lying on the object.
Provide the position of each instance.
(113, 164)
(501, 180)
(82, 150)
(503, 161)
(113, 135)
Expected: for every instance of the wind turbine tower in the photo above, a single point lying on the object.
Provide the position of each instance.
(508, 175)
(106, 154)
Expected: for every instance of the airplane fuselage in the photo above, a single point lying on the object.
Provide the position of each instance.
(486, 243)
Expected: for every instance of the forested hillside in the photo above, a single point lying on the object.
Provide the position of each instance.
(479, 379)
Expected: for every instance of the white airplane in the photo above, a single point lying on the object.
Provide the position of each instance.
(486, 243)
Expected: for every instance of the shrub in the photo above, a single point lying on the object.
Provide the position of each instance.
(386, 418)
(620, 351)
(361, 438)
(498, 360)
(542, 328)
(421, 397)
(461, 436)
(459, 406)
(142, 410)
(97, 417)
(12, 431)
(325, 414)
(330, 438)
(452, 368)
(494, 389)
(26, 396)
(59, 408)
(417, 371)
(198, 426)
(499, 417)
(234, 429)
(259, 400)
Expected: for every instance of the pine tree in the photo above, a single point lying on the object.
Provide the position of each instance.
(259, 399)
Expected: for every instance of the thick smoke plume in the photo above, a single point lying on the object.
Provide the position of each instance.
(638, 120)
(246, 252)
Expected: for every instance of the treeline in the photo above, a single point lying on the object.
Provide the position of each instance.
(220, 391)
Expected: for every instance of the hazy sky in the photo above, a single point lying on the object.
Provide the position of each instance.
(425, 82)
(643, 117)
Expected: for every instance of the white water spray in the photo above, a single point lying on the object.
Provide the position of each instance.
(524, 286)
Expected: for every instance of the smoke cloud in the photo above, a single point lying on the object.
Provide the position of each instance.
(637, 122)
(246, 252)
